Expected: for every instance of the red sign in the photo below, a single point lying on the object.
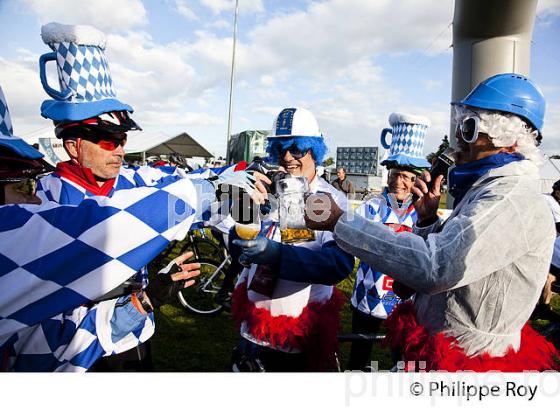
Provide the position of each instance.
(387, 283)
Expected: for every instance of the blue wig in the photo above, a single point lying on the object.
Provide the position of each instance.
(317, 146)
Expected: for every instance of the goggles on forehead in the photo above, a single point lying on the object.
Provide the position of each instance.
(468, 129)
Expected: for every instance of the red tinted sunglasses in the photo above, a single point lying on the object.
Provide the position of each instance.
(110, 145)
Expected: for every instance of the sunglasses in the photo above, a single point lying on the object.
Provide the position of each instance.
(405, 177)
(110, 144)
(469, 129)
(294, 151)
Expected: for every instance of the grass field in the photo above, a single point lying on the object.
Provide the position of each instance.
(193, 343)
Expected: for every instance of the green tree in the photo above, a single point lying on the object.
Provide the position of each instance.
(442, 147)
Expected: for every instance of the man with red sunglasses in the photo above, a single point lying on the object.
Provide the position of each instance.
(48, 322)
(93, 126)
(96, 150)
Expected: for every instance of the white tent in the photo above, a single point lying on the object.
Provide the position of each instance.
(157, 143)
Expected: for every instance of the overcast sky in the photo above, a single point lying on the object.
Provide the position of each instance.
(351, 62)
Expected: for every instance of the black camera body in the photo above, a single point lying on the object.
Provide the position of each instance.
(272, 172)
(440, 167)
(243, 209)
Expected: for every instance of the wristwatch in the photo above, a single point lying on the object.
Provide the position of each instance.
(148, 308)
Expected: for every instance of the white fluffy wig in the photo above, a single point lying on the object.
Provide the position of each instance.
(504, 130)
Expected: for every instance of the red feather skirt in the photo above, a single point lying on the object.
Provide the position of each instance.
(313, 332)
(441, 352)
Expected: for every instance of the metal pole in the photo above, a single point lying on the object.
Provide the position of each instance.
(489, 37)
(553, 164)
(231, 80)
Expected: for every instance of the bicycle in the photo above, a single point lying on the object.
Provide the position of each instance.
(212, 254)
(355, 337)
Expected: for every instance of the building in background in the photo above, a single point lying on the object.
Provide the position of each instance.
(246, 145)
(362, 167)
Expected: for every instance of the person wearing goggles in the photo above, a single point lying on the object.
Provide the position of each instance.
(478, 275)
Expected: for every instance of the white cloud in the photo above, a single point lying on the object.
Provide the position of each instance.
(547, 7)
(551, 131)
(24, 94)
(184, 10)
(221, 24)
(329, 35)
(431, 85)
(272, 111)
(267, 80)
(180, 119)
(148, 73)
(106, 15)
(550, 89)
(245, 6)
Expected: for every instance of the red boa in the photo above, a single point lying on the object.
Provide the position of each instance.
(313, 332)
(442, 353)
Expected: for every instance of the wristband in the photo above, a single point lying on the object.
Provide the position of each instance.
(140, 302)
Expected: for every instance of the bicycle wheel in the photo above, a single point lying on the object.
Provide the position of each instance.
(200, 298)
(205, 249)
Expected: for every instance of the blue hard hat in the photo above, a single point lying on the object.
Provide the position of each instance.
(511, 93)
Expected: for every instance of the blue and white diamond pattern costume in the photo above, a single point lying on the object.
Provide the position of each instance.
(373, 291)
(83, 258)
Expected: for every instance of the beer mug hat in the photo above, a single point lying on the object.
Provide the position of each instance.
(86, 87)
(7, 137)
(406, 148)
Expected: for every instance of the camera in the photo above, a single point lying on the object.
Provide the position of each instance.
(271, 171)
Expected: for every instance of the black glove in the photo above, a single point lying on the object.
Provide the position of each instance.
(402, 291)
(162, 289)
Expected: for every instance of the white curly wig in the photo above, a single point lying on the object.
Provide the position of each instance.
(504, 130)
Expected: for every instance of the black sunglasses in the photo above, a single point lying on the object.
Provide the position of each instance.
(294, 151)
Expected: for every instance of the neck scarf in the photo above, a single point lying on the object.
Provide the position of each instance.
(462, 177)
(84, 178)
